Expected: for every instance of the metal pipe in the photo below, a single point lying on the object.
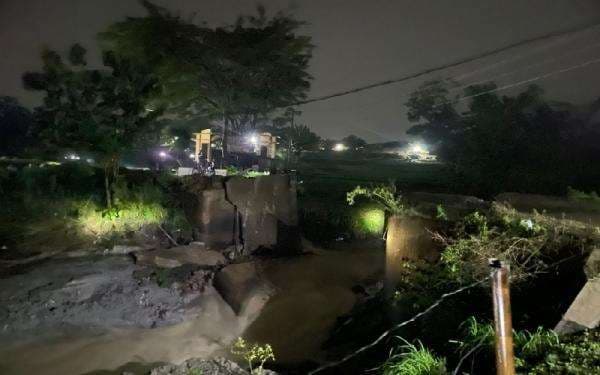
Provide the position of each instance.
(505, 360)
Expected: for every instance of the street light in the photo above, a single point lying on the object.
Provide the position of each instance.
(339, 147)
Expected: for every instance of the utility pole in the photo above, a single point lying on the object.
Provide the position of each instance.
(505, 359)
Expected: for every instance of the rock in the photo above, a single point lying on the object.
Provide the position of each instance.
(242, 287)
(584, 312)
(89, 293)
(592, 266)
(180, 255)
(215, 366)
(123, 250)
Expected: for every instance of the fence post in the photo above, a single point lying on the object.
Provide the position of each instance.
(505, 360)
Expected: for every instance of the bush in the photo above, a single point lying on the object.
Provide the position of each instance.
(529, 243)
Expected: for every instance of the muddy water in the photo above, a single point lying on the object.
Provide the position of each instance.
(313, 290)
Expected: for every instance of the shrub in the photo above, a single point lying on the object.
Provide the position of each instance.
(384, 195)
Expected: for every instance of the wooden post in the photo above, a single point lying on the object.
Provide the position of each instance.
(505, 360)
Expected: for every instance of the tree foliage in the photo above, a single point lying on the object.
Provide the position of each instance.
(354, 143)
(237, 74)
(98, 111)
(15, 122)
(503, 143)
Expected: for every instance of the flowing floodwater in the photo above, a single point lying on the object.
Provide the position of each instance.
(313, 290)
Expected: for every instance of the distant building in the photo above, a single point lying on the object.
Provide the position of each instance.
(243, 151)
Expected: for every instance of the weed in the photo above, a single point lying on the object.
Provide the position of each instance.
(441, 213)
(253, 354)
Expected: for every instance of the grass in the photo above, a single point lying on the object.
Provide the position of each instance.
(340, 173)
(61, 208)
(414, 360)
(537, 352)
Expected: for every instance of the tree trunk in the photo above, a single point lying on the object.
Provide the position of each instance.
(224, 137)
(107, 189)
(111, 170)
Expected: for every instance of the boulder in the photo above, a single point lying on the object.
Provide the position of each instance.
(242, 287)
(123, 249)
(584, 312)
(215, 366)
(180, 255)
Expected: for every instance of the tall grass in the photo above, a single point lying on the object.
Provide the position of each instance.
(414, 360)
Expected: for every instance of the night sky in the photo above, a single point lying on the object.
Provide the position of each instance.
(357, 42)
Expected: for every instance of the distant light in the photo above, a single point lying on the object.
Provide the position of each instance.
(339, 147)
(192, 156)
(72, 157)
(253, 139)
(417, 148)
(162, 154)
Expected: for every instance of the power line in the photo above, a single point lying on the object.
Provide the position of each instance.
(565, 54)
(527, 67)
(452, 64)
(562, 39)
(523, 82)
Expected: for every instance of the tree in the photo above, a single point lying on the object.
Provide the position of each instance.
(92, 110)
(354, 143)
(326, 144)
(15, 121)
(237, 74)
(501, 143)
(301, 138)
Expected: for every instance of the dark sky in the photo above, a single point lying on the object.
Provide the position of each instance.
(358, 42)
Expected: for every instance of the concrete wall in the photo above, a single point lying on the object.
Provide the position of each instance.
(261, 212)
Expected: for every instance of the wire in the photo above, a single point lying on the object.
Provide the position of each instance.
(452, 64)
(564, 55)
(561, 39)
(399, 325)
(540, 63)
(520, 83)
